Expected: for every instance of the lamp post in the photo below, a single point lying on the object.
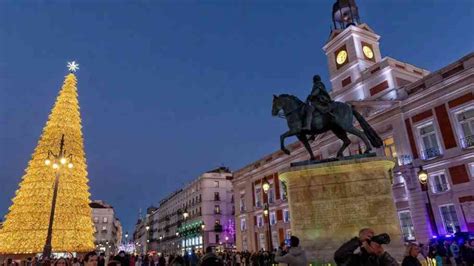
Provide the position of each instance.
(57, 162)
(423, 178)
(266, 188)
(147, 228)
(203, 231)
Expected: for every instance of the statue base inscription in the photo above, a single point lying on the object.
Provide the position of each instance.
(330, 202)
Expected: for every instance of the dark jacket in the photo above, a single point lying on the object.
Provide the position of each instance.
(345, 256)
(210, 259)
(411, 261)
(296, 256)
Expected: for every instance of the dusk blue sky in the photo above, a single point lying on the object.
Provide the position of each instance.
(170, 89)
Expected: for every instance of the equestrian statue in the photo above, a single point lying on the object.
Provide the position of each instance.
(320, 114)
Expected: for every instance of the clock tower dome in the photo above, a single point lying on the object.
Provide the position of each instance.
(352, 47)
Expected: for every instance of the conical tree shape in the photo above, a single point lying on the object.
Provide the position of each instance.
(26, 224)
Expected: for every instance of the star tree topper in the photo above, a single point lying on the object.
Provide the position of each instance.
(72, 66)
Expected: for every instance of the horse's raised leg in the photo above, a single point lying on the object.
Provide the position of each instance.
(341, 134)
(361, 135)
(282, 141)
(304, 140)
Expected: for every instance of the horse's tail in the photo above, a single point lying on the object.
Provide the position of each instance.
(373, 137)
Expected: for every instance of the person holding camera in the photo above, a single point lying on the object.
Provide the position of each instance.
(371, 252)
(294, 256)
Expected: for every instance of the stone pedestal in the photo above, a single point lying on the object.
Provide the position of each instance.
(330, 202)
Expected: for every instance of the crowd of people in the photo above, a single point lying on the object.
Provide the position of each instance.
(367, 249)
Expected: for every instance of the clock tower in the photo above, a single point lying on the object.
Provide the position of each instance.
(352, 47)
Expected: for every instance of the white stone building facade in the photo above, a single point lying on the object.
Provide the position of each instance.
(209, 220)
(108, 229)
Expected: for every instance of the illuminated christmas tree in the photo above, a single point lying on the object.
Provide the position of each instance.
(53, 165)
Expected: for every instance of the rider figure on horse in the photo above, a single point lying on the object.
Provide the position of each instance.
(319, 100)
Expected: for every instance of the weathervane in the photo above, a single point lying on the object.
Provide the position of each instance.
(72, 66)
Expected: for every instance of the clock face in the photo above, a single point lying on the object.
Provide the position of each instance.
(368, 52)
(341, 57)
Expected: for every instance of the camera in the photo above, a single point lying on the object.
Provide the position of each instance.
(381, 239)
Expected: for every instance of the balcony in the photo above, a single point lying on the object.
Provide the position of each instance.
(405, 159)
(467, 142)
(430, 153)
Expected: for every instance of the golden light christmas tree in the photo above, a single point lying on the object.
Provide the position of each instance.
(57, 162)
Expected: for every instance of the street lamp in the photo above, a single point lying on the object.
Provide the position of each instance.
(57, 162)
(423, 178)
(266, 188)
(185, 214)
(266, 213)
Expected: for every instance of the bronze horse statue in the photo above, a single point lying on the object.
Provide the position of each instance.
(340, 122)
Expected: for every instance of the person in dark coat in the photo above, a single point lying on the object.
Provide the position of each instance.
(371, 253)
(411, 255)
(210, 259)
(467, 252)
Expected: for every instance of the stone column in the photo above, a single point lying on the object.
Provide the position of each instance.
(330, 202)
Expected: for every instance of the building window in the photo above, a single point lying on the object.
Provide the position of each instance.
(217, 209)
(243, 224)
(389, 148)
(261, 238)
(258, 197)
(273, 219)
(104, 228)
(283, 190)
(216, 183)
(450, 218)
(288, 234)
(217, 197)
(217, 238)
(105, 220)
(286, 216)
(429, 142)
(242, 202)
(275, 239)
(259, 221)
(439, 183)
(271, 194)
(245, 245)
(407, 225)
(96, 219)
(465, 121)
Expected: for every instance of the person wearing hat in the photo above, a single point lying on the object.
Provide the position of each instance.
(371, 251)
(295, 256)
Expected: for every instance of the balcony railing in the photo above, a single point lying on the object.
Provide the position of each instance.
(440, 187)
(430, 153)
(467, 142)
(405, 159)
